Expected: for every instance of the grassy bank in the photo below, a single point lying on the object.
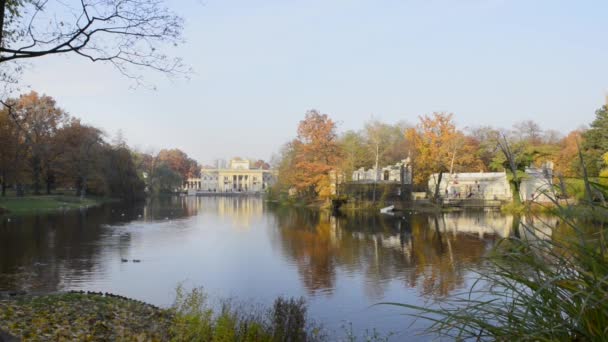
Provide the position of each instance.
(47, 203)
(97, 317)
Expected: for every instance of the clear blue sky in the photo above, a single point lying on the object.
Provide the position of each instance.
(260, 64)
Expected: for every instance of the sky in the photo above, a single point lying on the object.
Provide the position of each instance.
(259, 65)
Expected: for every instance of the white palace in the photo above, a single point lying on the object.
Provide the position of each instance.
(238, 177)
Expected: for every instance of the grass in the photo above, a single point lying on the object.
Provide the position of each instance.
(47, 203)
(98, 317)
(93, 317)
(196, 320)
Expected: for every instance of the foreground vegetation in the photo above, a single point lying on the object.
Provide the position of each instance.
(85, 317)
(538, 284)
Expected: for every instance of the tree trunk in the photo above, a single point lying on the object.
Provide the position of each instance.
(36, 170)
(3, 183)
(49, 183)
(50, 177)
(83, 190)
(436, 196)
(2, 14)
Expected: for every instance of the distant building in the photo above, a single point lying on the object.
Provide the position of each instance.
(478, 185)
(238, 177)
(392, 173)
(537, 185)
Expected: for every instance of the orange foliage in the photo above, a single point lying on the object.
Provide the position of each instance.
(437, 143)
(316, 153)
(567, 160)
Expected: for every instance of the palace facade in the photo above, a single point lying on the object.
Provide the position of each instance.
(238, 177)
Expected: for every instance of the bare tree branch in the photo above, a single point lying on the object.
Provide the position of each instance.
(131, 35)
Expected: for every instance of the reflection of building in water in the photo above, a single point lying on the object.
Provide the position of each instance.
(239, 177)
(383, 249)
(243, 211)
(488, 223)
(537, 186)
(479, 185)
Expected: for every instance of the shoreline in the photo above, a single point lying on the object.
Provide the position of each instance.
(39, 204)
(82, 316)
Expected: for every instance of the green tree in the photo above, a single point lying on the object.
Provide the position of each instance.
(595, 142)
(356, 153)
(164, 179)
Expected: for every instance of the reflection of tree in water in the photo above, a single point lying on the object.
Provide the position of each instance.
(425, 253)
(309, 240)
(43, 252)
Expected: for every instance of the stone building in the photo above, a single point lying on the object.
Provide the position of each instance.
(537, 185)
(391, 173)
(238, 177)
(473, 185)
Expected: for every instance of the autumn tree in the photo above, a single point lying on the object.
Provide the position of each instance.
(567, 162)
(439, 147)
(81, 147)
(316, 153)
(261, 164)
(39, 118)
(386, 143)
(12, 151)
(179, 162)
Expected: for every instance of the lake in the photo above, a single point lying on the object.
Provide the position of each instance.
(244, 248)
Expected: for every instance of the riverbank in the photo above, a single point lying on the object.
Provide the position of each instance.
(83, 317)
(79, 316)
(48, 203)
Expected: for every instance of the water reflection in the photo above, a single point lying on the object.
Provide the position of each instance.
(245, 248)
(424, 252)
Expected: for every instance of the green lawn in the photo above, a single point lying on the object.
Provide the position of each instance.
(46, 203)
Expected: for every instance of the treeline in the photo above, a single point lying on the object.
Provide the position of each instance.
(43, 148)
(319, 155)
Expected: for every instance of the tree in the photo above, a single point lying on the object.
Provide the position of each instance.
(355, 152)
(595, 142)
(178, 161)
(439, 147)
(260, 164)
(120, 177)
(529, 131)
(12, 150)
(128, 34)
(485, 138)
(316, 153)
(164, 179)
(81, 145)
(39, 119)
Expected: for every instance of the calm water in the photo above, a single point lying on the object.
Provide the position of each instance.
(240, 247)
